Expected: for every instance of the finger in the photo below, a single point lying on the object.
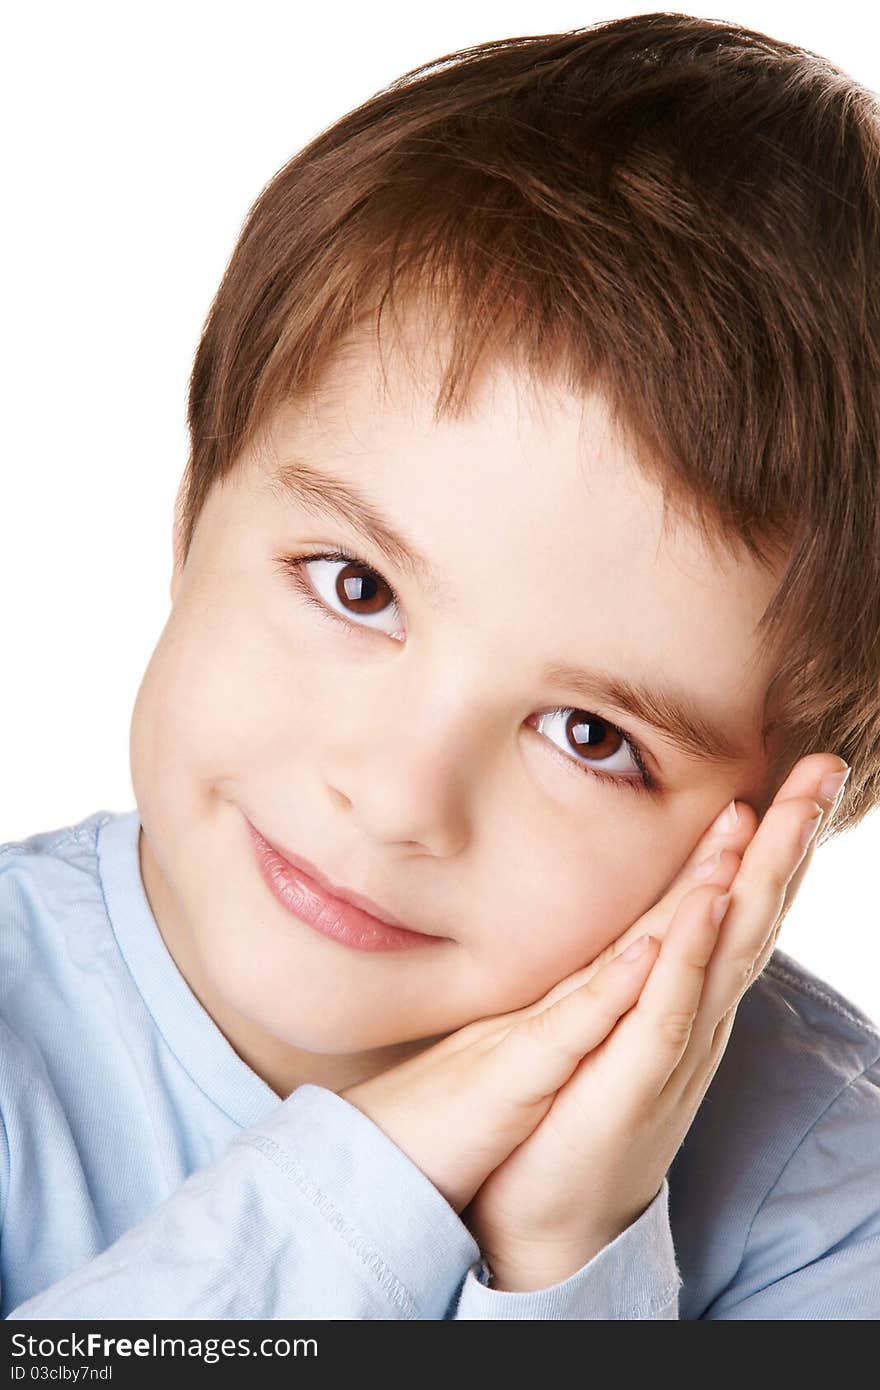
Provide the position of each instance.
(716, 860)
(652, 1040)
(828, 794)
(822, 785)
(539, 1054)
(655, 922)
(730, 829)
(688, 1085)
(757, 897)
(718, 870)
(806, 776)
(737, 822)
(797, 879)
(709, 1042)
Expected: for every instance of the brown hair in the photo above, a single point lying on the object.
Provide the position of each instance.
(680, 212)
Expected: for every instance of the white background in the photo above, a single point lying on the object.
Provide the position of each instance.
(136, 137)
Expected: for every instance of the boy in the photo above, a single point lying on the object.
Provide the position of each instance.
(497, 658)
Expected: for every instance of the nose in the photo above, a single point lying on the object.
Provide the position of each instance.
(411, 782)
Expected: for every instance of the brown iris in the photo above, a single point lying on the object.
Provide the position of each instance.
(363, 588)
(586, 731)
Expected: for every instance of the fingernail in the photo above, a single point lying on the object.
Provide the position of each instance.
(808, 830)
(707, 867)
(833, 784)
(727, 821)
(719, 907)
(637, 948)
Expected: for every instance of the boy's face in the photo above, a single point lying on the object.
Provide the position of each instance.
(402, 750)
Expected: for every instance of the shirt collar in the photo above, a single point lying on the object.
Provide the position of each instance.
(187, 1027)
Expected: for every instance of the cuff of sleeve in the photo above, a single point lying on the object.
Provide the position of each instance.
(373, 1197)
(633, 1277)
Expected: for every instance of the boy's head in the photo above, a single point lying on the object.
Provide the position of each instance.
(640, 262)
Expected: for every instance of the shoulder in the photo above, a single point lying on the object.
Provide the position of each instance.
(786, 979)
(793, 1021)
(795, 1045)
(57, 958)
(47, 874)
(66, 844)
(47, 867)
(53, 921)
(796, 1100)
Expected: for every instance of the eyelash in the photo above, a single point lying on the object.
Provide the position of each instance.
(292, 566)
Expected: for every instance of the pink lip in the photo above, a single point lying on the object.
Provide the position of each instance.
(334, 912)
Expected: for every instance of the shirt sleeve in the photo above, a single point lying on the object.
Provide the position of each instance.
(634, 1277)
(312, 1213)
(316, 1213)
(813, 1249)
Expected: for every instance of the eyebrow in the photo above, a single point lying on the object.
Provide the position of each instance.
(325, 495)
(671, 712)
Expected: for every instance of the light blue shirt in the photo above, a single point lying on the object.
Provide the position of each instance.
(147, 1172)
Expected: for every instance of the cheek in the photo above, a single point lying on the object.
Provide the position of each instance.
(222, 686)
(561, 919)
(192, 694)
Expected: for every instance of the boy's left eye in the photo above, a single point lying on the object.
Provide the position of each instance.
(366, 596)
(584, 730)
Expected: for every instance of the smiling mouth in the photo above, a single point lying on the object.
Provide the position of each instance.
(305, 892)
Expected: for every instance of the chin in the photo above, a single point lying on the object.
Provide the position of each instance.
(308, 1022)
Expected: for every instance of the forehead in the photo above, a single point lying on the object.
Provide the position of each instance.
(377, 418)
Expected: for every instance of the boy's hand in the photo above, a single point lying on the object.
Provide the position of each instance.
(600, 1153)
(478, 1102)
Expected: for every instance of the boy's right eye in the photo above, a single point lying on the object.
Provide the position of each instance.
(362, 593)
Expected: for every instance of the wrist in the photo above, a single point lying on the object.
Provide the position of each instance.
(526, 1275)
